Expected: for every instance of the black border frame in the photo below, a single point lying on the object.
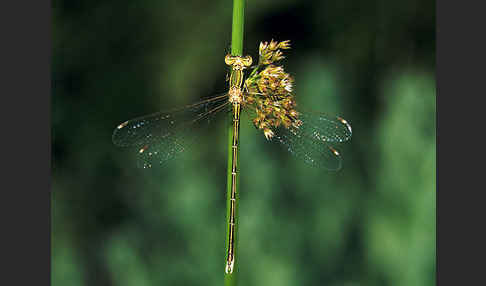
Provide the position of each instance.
(460, 64)
(25, 208)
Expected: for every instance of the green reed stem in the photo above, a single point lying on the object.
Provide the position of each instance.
(236, 50)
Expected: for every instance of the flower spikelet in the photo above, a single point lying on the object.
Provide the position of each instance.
(270, 53)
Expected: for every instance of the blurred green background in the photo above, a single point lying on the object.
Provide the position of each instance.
(372, 223)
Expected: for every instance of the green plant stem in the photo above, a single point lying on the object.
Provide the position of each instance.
(236, 50)
(237, 27)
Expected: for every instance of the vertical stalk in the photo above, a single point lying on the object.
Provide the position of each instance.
(237, 27)
(236, 50)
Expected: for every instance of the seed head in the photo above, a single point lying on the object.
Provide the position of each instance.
(270, 52)
(269, 91)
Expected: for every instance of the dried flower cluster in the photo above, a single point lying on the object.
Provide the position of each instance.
(271, 52)
(269, 90)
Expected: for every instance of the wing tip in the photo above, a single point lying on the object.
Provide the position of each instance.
(345, 123)
(122, 125)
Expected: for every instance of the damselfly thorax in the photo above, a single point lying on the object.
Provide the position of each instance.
(238, 65)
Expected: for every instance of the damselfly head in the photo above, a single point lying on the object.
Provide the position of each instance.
(238, 63)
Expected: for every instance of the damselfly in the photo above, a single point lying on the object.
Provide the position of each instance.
(267, 96)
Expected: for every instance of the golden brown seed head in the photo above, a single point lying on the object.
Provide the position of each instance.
(270, 52)
(270, 90)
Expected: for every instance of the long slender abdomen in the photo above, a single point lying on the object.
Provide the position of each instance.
(234, 176)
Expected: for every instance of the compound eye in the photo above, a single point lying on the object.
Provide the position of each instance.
(247, 61)
(229, 59)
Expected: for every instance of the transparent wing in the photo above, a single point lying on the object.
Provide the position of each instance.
(310, 149)
(323, 128)
(312, 141)
(163, 135)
